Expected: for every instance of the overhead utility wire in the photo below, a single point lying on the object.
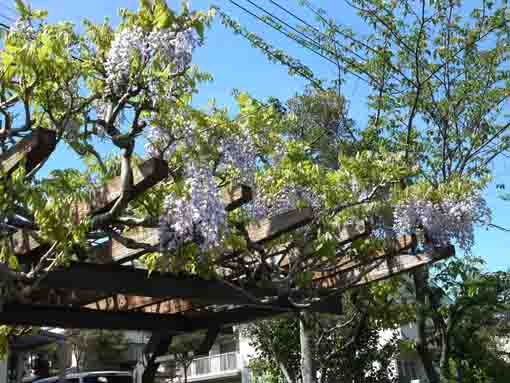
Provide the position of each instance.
(296, 40)
(316, 43)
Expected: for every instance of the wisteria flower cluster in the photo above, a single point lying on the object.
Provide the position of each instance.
(127, 44)
(199, 217)
(288, 198)
(170, 47)
(240, 153)
(444, 222)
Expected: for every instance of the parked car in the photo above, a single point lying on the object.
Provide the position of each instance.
(93, 377)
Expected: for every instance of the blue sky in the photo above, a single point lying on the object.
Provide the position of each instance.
(235, 64)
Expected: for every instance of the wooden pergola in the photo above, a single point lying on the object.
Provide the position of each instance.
(112, 291)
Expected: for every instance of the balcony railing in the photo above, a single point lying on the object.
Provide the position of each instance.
(214, 364)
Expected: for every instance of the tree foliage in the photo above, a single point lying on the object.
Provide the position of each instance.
(97, 349)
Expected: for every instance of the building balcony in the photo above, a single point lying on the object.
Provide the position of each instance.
(211, 367)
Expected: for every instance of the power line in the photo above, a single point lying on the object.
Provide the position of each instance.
(323, 34)
(296, 40)
(317, 45)
(313, 41)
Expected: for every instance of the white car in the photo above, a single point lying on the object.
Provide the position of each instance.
(92, 377)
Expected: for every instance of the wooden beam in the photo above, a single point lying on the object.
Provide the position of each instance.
(270, 228)
(383, 268)
(235, 196)
(26, 246)
(69, 317)
(115, 279)
(145, 176)
(33, 149)
(404, 243)
(121, 302)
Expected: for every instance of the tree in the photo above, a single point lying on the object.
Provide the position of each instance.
(97, 349)
(344, 349)
(136, 80)
(467, 307)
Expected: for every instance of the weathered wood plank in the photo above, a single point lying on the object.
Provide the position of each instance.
(25, 245)
(383, 268)
(346, 234)
(145, 176)
(32, 149)
(236, 196)
(122, 302)
(404, 243)
(270, 228)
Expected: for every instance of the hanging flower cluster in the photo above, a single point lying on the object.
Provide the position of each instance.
(126, 45)
(169, 47)
(199, 217)
(288, 198)
(444, 222)
(239, 153)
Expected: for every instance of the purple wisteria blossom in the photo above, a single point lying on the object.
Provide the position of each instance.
(199, 217)
(444, 222)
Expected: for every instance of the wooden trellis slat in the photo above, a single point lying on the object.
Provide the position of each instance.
(235, 196)
(405, 242)
(32, 150)
(383, 268)
(145, 176)
(273, 227)
(114, 251)
(346, 234)
(121, 302)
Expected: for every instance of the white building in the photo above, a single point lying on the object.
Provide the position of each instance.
(229, 358)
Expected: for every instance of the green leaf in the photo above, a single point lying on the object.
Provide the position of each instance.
(163, 16)
(23, 9)
(146, 5)
(13, 263)
(199, 27)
